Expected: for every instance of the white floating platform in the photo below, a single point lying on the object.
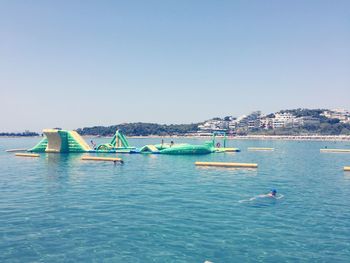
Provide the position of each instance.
(27, 155)
(232, 165)
(16, 150)
(335, 150)
(260, 149)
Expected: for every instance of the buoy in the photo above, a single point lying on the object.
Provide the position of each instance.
(221, 164)
(260, 149)
(108, 159)
(16, 150)
(347, 168)
(27, 154)
(336, 150)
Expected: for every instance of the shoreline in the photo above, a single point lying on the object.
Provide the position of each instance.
(296, 137)
(242, 137)
(258, 137)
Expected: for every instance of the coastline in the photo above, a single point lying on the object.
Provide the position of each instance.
(262, 137)
(19, 136)
(240, 137)
(296, 137)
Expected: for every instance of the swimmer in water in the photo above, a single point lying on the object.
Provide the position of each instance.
(272, 193)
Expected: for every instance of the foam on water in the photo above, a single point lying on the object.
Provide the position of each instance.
(262, 197)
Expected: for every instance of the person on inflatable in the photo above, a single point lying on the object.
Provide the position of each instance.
(93, 145)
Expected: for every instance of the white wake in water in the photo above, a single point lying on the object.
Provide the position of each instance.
(261, 197)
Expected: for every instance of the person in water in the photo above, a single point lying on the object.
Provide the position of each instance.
(272, 193)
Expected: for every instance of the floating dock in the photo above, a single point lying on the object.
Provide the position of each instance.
(227, 150)
(106, 159)
(27, 155)
(260, 149)
(16, 150)
(232, 165)
(335, 150)
(347, 168)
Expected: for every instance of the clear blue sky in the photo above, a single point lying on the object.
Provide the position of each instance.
(80, 63)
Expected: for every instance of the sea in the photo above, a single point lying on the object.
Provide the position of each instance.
(161, 208)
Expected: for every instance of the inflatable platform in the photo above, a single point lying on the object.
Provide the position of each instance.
(61, 141)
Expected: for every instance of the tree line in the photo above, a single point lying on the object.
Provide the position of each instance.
(140, 129)
(19, 134)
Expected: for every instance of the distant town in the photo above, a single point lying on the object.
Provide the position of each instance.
(283, 122)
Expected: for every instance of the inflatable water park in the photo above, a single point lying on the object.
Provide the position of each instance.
(64, 141)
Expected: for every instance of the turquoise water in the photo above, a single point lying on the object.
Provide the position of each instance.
(158, 208)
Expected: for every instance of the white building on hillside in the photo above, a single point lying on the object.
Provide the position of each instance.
(283, 120)
(213, 125)
(341, 114)
(266, 123)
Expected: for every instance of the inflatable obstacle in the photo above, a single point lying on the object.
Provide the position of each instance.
(118, 144)
(188, 149)
(221, 148)
(176, 149)
(207, 147)
(61, 141)
(149, 149)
